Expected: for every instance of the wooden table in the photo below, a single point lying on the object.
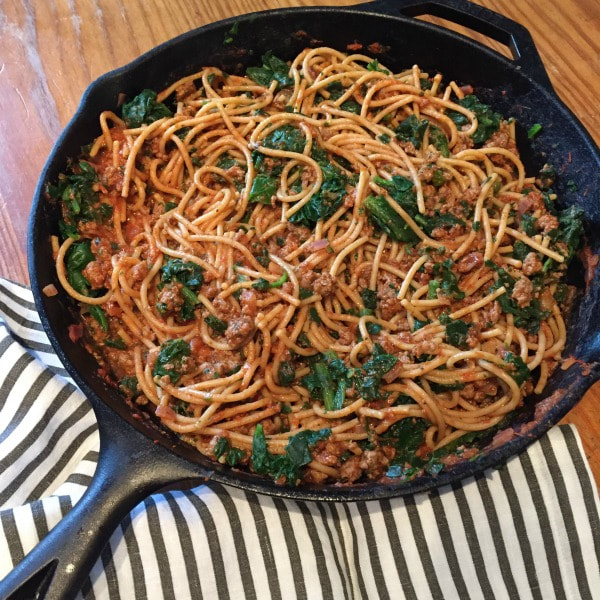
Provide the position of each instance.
(51, 51)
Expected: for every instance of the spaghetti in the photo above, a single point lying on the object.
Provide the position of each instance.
(321, 270)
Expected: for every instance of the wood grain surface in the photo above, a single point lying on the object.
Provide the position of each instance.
(50, 50)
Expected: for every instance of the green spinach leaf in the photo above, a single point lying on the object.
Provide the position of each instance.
(144, 109)
(263, 189)
(77, 258)
(189, 274)
(288, 465)
(287, 138)
(457, 332)
(518, 369)
(488, 120)
(272, 68)
(215, 324)
(170, 359)
(326, 201)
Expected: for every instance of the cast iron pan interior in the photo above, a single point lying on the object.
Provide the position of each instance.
(506, 86)
(133, 460)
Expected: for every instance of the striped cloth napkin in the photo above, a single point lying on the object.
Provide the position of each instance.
(527, 530)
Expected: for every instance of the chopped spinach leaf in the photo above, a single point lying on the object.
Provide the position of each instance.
(488, 121)
(570, 228)
(286, 373)
(385, 218)
(326, 381)
(369, 298)
(262, 284)
(67, 230)
(117, 342)
(528, 317)
(272, 68)
(314, 315)
(226, 162)
(326, 201)
(351, 106)
(438, 178)
(286, 465)
(448, 280)
(412, 130)
(534, 130)
(187, 273)
(233, 30)
(367, 379)
(406, 436)
(438, 138)
(78, 256)
(443, 220)
(234, 456)
(100, 316)
(374, 66)
(457, 332)
(446, 387)
(221, 447)
(263, 189)
(231, 454)
(129, 384)
(80, 202)
(215, 324)
(262, 257)
(401, 189)
(287, 138)
(190, 301)
(528, 224)
(144, 109)
(170, 359)
(520, 250)
(562, 290)
(518, 370)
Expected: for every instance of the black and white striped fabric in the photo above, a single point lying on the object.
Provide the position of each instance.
(528, 530)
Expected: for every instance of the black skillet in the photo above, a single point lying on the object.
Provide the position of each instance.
(137, 457)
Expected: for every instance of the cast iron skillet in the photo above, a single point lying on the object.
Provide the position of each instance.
(137, 457)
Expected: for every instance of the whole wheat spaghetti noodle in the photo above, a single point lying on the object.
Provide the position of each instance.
(297, 268)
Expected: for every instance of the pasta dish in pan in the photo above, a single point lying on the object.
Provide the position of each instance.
(322, 270)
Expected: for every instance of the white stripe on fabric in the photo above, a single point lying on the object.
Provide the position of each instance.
(386, 557)
(434, 543)
(579, 511)
(228, 550)
(560, 535)
(335, 577)
(509, 534)
(139, 520)
(533, 526)
(409, 548)
(486, 541)
(38, 429)
(281, 556)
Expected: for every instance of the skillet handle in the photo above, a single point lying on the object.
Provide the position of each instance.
(481, 19)
(129, 469)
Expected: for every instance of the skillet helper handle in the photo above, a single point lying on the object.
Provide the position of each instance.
(129, 469)
(480, 19)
